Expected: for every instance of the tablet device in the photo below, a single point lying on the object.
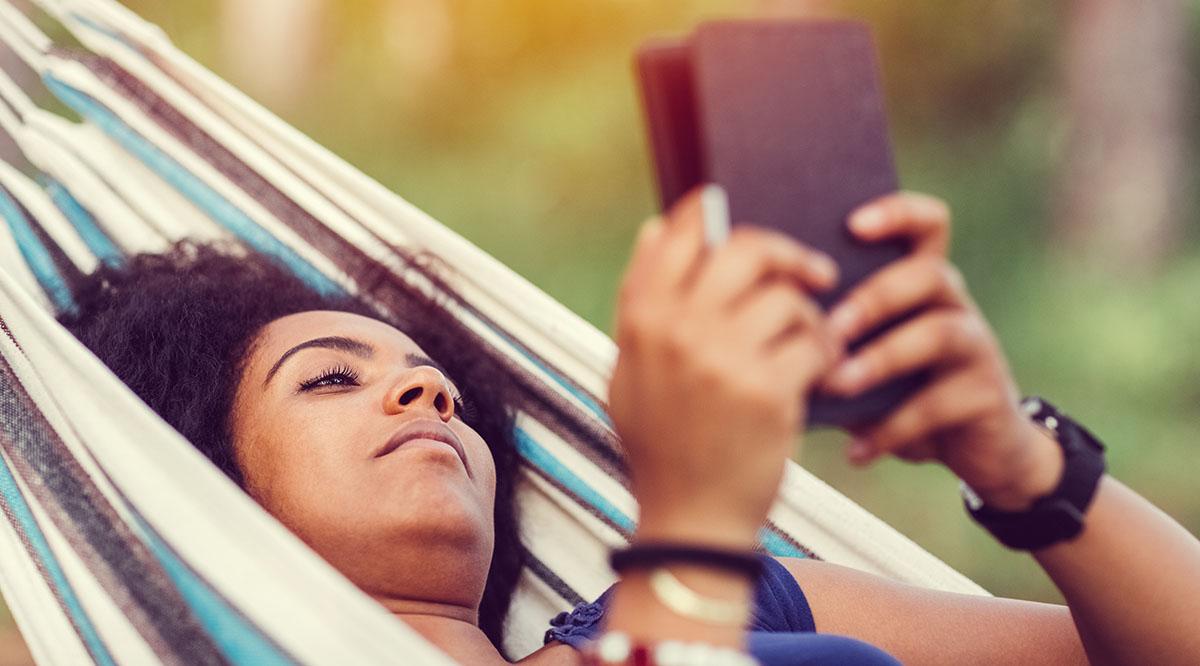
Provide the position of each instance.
(788, 117)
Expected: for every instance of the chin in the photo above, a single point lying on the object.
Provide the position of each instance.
(440, 553)
(397, 551)
(433, 510)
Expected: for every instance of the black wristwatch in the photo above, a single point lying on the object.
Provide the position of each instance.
(1058, 516)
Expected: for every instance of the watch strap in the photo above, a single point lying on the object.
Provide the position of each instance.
(1058, 516)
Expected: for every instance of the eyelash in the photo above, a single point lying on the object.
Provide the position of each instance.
(345, 373)
(463, 409)
(348, 377)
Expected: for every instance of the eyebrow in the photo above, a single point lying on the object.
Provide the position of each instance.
(356, 347)
(337, 342)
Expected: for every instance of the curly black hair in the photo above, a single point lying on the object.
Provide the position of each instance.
(177, 328)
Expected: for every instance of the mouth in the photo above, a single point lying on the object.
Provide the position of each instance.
(427, 430)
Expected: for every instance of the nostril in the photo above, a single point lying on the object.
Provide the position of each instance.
(410, 395)
(440, 402)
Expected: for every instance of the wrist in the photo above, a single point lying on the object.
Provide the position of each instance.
(715, 531)
(1037, 472)
(1027, 517)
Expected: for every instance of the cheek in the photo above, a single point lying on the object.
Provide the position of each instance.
(482, 464)
(290, 458)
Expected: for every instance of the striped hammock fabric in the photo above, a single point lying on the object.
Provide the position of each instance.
(121, 543)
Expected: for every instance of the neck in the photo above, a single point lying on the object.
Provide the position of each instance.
(453, 629)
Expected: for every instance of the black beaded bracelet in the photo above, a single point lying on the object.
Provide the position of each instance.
(648, 555)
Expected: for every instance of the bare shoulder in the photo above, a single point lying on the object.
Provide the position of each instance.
(921, 625)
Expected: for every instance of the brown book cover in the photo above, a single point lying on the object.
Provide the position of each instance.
(788, 117)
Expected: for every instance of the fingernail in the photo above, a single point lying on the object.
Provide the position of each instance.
(867, 220)
(859, 451)
(650, 228)
(714, 204)
(844, 319)
(826, 267)
(848, 375)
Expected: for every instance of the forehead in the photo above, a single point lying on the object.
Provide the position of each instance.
(286, 332)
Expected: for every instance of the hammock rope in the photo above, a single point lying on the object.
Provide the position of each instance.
(108, 555)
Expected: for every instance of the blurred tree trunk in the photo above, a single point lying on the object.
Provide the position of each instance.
(1122, 190)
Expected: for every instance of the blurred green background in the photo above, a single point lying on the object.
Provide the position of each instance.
(1062, 134)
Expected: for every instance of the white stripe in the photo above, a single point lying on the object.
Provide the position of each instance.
(47, 633)
(280, 584)
(115, 631)
(13, 263)
(45, 213)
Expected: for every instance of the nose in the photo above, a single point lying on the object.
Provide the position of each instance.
(421, 388)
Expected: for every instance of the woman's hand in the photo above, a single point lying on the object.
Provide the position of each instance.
(968, 416)
(719, 347)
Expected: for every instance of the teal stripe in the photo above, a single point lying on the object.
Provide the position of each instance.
(591, 405)
(206, 198)
(540, 458)
(36, 255)
(777, 545)
(238, 639)
(104, 29)
(544, 461)
(79, 217)
(28, 526)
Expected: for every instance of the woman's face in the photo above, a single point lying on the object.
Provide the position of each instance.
(351, 436)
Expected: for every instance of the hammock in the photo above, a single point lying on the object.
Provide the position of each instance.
(120, 542)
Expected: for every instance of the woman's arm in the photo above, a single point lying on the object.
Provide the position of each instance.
(1132, 577)
(1132, 580)
(923, 626)
(719, 347)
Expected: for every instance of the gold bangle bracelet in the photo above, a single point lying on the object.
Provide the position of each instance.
(683, 600)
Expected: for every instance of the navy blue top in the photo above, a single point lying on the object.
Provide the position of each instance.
(781, 631)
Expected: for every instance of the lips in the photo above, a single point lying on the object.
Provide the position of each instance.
(424, 429)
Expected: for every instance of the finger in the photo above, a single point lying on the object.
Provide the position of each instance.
(643, 256)
(896, 289)
(797, 361)
(682, 243)
(945, 403)
(922, 218)
(753, 255)
(772, 311)
(859, 452)
(936, 338)
(917, 452)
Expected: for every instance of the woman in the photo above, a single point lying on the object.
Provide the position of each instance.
(347, 430)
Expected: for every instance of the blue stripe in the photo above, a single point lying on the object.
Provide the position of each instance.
(591, 405)
(58, 580)
(543, 460)
(36, 255)
(777, 545)
(540, 458)
(103, 29)
(79, 217)
(236, 637)
(206, 198)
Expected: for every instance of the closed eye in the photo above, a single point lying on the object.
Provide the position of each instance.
(339, 375)
(344, 375)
